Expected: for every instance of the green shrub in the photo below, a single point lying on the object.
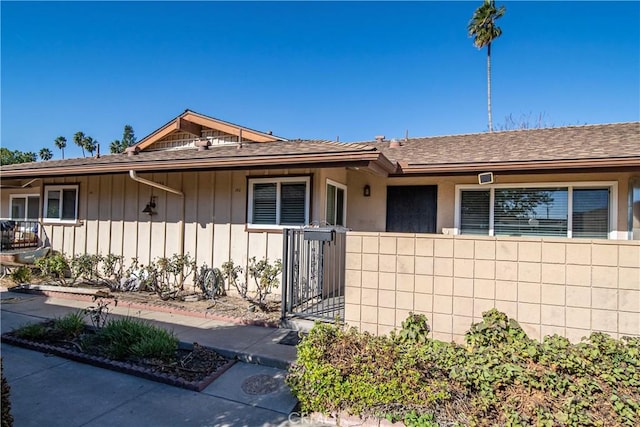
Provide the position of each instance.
(21, 274)
(85, 267)
(69, 326)
(134, 338)
(500, 377)
(7, 418)
(34, 331)
(265, 276)
(415, 329)
(347, 370)
(158, 344)
(54, 266)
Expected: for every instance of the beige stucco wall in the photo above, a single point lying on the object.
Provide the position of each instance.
(564, 286)
(369, 213)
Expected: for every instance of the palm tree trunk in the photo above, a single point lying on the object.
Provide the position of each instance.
(489, 87)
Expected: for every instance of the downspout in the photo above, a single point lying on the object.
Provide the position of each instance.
(29, 183)
(134, 176)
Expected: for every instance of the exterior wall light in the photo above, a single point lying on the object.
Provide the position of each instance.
(367, 191)
(150, 208)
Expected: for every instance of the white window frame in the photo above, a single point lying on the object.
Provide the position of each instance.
(344, 207)
(300, 179)
(611, 185)
(45, 208)
(23, 196)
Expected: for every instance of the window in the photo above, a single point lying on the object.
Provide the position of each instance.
(278, 201)
(336, 203)
(25, 207)
(574, 210)
(61, 203)
(474, 214)
(530, 212)
(634, 208)
(591, 213)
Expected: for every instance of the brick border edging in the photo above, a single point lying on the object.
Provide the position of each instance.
(155, 307)
(118, 366)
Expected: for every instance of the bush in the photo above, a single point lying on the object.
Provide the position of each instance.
(264, 274)
(21, 275)
(133, 338)
(69, 326)
(34, 331)
(500, 376)
(54, 266)
(85, 267)
(7, 418)
(339, 370)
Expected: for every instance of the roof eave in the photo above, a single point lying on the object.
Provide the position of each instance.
(548, 165)
(373, 160)
(202, 120)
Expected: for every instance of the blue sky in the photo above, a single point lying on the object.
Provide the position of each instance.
(309, 70)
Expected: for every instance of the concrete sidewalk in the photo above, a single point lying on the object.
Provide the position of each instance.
(48, 390)
(255, 344)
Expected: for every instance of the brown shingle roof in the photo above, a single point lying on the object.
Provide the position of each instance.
(608, 145)
(280, 153)
(597, 144)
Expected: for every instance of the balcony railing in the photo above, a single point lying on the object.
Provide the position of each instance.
(20, 234)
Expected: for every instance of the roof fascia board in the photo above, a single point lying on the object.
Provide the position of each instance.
(372, 159)
(158, 135)
(182, 123)
(405, 168)
(229, 128)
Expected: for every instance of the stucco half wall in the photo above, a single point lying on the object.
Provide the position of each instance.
(568, 287)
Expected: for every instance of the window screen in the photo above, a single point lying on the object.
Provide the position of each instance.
(590, 213)
(293, 197)
(69, 204)
(53, 204)
(474, 215)
(264, 203)
(331, 204)
(530, 212)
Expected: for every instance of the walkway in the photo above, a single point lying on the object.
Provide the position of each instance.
(48, 390)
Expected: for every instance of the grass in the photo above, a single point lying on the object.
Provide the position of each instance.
(35, 331)
(120, 339)
(69, 326)
(128, 338)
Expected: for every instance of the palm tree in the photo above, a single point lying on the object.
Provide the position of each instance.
(78, 139)
(482, 27)
(45, 154)
(61, 143)
(89, 144)
(115, 146)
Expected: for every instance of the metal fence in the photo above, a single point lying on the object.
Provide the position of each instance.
(313, 272)
(19, 234)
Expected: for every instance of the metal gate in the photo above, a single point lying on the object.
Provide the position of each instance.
(313, 273)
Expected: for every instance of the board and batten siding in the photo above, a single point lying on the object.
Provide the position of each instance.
(213, 213)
